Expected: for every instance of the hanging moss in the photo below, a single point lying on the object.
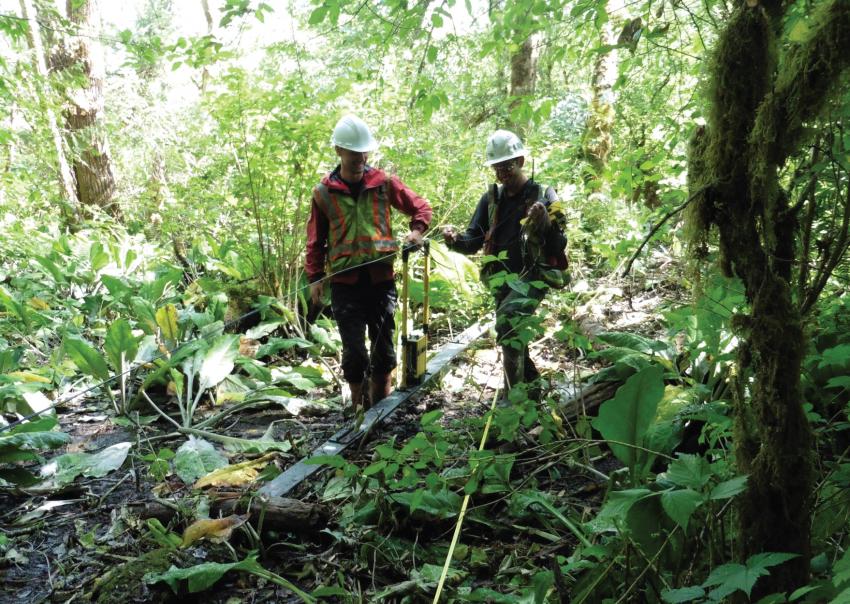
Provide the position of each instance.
(756, 117)
(699, 215)
(808, 75)
(742, 69)
(804, 82)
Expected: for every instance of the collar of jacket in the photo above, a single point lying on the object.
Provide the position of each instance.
(372, 178)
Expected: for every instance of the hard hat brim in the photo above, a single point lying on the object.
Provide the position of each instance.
(521, 153)
(370, 145)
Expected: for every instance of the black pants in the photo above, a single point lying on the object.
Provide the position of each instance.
(512, 309)
(358, 308)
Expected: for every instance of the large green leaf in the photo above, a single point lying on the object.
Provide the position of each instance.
(22, 442)
(681, 504)
(730, 578)
(219, 361)
(613, 514)
(729, 488)
(51, 268)
(200, 577)
(15, 308)
(195, 458)
(121, 345)
(632, 341)
(682, 595)
(65, 468)
(86, 358)
(624, 420)
(691, 471)
(117, 287)
(144, 313)
(10, 359)
(203, 576)
(442, 504)
(260, 445)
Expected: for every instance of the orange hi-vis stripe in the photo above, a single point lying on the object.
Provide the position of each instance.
(360, 229)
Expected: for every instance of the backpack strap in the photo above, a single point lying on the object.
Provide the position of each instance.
(493, 195)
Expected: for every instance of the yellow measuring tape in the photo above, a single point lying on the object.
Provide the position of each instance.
(460, 517)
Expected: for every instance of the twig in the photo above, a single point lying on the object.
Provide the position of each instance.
(657, 226)
(157, 409)
(111, 489)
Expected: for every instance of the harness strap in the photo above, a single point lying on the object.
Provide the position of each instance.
(492, 216)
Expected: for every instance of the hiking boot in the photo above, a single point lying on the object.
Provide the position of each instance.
(380, 386)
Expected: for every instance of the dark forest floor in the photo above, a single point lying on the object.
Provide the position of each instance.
(70, 545)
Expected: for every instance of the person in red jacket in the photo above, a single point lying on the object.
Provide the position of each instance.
(350, 230)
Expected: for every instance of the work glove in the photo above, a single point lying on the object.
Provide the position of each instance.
(539, 217)
(449, 235)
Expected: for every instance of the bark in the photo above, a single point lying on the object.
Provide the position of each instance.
(205, 75)
(600, 122)
(276, 514)
(589, 399)
(756, 120)
(523, 77)
(67, 185)
(84, 117)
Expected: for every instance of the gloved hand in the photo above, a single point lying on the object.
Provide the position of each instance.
(449, 235)
(414, 238)
(317, 291)
(539, 217)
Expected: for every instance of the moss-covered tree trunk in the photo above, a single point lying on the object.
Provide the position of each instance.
(598, 137)
(92, 163)
(523, 78)
(760, 100)
(67, 186)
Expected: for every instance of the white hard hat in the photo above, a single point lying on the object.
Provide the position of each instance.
(502, 146)
(353, 134)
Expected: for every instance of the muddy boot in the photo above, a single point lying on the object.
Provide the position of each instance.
(512, 360)
(358, 404)
(380, 386)
(533, 379)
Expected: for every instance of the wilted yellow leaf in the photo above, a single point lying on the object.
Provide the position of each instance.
(26, 376)
(166, 319)
(236, 474)
(218, 529)
(248, 347)
(39, 304)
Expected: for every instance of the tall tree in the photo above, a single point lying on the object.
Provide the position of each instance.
(523, 76)
(92, 166)
(205, 75)
(67, 186)
(760, 109)
(600, 122)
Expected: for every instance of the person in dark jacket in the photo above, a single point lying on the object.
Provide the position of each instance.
(350, 230)
(519, 223)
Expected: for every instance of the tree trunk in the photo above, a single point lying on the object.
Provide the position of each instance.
(523, 78)
(205, 75)
(92, 166)
(755, 121)
(67, 186)
(600, 122)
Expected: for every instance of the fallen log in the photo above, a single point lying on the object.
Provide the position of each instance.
(589, 398)
(275, 513)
